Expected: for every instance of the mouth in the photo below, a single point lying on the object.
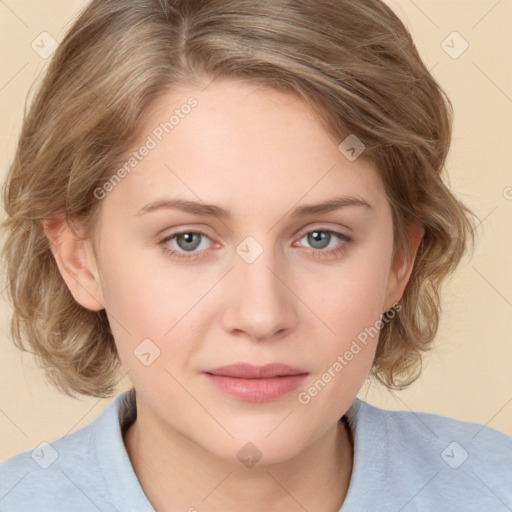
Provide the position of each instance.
(256, 383)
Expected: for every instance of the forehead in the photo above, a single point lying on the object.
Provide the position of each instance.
(238, 142)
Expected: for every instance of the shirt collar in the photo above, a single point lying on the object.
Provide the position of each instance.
(124, 486)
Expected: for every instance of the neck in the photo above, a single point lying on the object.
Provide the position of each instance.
(178, 474)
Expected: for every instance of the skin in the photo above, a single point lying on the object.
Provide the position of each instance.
(258, 153)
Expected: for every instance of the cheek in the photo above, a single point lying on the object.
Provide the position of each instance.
(134, 299)
(350, 304)
(352, 297)
(148, 299)
(143, 290)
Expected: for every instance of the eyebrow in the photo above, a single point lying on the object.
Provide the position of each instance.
(211, 210)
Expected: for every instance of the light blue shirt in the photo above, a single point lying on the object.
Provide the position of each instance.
(403, 461)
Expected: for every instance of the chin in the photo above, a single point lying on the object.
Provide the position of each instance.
(253, 451)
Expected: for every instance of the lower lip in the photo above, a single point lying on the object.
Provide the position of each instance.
(257, 390)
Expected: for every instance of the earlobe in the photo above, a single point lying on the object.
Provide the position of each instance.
(76, 262)
(402, 266)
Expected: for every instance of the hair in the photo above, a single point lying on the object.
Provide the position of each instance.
(352, 61)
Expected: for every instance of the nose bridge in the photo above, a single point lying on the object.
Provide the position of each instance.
(262, 304)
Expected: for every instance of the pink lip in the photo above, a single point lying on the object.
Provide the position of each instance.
(256, 383)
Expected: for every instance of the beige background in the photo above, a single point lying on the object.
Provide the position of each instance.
(468, 374)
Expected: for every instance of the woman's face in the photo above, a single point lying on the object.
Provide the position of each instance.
(243, 272)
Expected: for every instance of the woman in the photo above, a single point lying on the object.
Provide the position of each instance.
(239, 204)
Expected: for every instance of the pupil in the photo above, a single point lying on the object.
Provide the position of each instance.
(319, 236)
(189, 240)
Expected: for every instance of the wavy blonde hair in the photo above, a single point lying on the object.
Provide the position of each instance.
(353, 61)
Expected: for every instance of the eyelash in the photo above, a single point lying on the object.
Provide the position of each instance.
(316, 253)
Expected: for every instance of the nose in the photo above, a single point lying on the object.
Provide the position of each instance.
(261, 303)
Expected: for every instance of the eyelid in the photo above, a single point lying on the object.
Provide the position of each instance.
(343, 238)
(174, 234)
(323, 226)
(183, 254)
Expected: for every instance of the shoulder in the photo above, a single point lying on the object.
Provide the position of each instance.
(438, 459)
(61, 475)
(408, 425)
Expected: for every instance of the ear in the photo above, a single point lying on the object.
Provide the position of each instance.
(402, 265)
(76, 261)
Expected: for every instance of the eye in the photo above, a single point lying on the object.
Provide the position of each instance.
(320, 239)
(187, 242)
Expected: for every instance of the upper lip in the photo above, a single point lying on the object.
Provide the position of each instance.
(250, 371)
